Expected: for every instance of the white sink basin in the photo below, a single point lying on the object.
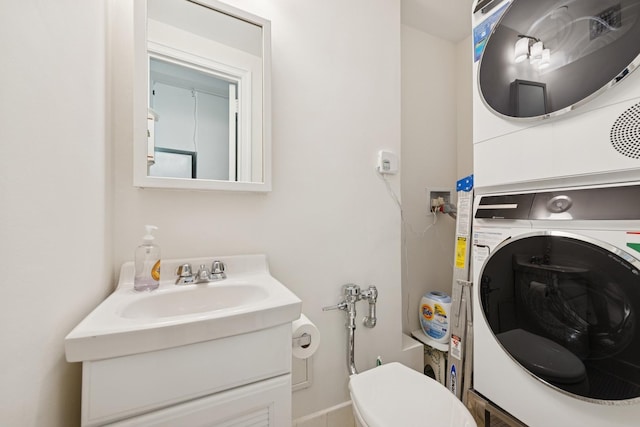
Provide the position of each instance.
(130, 322)
(193, 299)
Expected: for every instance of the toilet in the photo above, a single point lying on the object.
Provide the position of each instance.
(394, 395)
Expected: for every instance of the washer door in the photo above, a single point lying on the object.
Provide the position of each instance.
(565, 308)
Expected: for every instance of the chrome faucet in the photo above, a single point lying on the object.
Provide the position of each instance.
(203, 275)
(217, 271)
(353, 294)
(185, 275)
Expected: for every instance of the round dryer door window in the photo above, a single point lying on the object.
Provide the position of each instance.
(546, 57)
(567, 309)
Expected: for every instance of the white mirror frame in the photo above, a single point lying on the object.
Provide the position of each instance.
(140, 106)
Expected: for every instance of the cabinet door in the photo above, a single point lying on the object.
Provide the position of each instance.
(124, 387)
(262, 404)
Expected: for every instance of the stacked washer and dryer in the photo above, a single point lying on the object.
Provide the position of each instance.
(556, 230)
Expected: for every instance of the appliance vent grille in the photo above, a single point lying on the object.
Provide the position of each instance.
(625, 133)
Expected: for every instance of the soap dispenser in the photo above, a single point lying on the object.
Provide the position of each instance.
(147, 263)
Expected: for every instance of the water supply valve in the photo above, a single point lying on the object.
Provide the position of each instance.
(371, 295)
(353, 294)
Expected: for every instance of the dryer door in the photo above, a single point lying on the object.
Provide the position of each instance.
(546, 57)
(565, 307)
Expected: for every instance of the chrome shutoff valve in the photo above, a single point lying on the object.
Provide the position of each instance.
(371, 295)
(353, 294)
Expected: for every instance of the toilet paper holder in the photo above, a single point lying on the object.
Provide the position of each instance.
(303, 341)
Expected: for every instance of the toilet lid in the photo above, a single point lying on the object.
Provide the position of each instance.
(543, 357)
(394, 395)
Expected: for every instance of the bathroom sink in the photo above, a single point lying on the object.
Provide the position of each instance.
(130, 322)
(193, 300)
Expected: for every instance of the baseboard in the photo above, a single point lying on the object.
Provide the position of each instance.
(340, 415)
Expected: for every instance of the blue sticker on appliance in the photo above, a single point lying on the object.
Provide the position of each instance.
(482, 31)
(453, 380)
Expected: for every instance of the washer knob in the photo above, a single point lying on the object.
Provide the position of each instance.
(559, 204)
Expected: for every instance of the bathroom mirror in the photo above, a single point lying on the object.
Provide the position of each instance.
(202, 97)
(546, 57)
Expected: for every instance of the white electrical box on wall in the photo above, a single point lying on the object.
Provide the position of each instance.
(387, 162)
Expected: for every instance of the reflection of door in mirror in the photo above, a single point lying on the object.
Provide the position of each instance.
(172, 163)
(205, 91)
(194, 112)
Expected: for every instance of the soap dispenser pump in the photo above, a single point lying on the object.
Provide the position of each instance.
(147, 262)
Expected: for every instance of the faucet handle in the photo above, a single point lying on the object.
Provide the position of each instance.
(217, 267)
(217, 270)
(370, 294)
(340, 306)
(184, 270)
(185, 274)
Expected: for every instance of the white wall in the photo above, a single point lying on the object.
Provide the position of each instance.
(464, 104)
(329, 219)
(429, 146)
(54, 193)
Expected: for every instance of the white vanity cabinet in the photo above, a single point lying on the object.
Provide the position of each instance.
(233, 381)
(207, 354)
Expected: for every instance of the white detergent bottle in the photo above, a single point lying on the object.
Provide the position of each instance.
(147, 263)
(435, 316)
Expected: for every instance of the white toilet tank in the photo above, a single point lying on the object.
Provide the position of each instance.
(394, 395)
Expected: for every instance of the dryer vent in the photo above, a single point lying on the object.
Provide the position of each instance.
(625, 133)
